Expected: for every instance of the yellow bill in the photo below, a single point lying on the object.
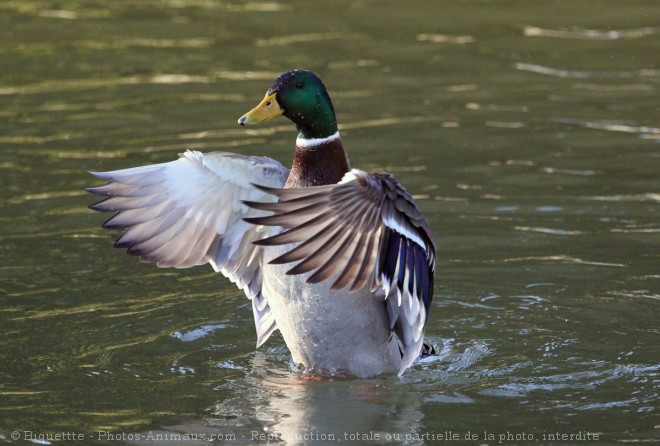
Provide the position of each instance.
(267, 109)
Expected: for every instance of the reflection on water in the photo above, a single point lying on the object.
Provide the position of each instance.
(272, 405)
(529, 135)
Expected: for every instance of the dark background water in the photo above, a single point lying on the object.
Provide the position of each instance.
(528, 131)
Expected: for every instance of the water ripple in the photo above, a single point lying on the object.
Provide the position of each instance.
(578, 380)
(197, 333)
(444, 38)
(58, 14)
(552, 231)
(559, 259)
(303, 38)
(652, 197)
(584, 74)
(591, 34)
(613, 126)
(64, 85)
(585, 172)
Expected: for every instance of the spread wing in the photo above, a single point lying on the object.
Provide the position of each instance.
(190, 212)
(364, 231)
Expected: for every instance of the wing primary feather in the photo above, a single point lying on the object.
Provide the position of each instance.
(348, 275)
(368, 264)
(145, 231)
(319, 257)
(292, 235)
(305, 249)
(334, 263)
(156, 239)
(360, 252)
(294, 194)
(375, 231)
(340, 256)
(287, 218)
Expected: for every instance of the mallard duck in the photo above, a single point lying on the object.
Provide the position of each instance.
(340, 260)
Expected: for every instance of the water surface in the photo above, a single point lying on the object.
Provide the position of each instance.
(528, 132)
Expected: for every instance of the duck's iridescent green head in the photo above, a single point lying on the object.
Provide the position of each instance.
(301, 97)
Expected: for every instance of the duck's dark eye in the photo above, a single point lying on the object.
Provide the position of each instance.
(299, 85)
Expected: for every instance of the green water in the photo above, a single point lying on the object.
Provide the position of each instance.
(528, 131)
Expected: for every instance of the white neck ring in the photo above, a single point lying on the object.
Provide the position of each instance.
(314, 142)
